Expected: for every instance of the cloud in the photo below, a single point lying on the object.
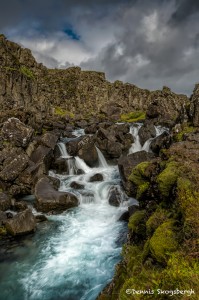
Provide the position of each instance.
(148, 43)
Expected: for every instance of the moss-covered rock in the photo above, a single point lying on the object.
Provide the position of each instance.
(139, 179)
(155, 220)
(167, 178)
(163, 242)
(137, 225)
(133, 116)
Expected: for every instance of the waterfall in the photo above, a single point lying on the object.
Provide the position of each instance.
(80, 164)
(136, 146)
(63, 151)
(102, 160)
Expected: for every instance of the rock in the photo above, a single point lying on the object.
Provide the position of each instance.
(127, 163)
(23, 223)
(17, 132)
(163, 141)
(83, 147)
(3, 218)
(49, 140)
(5, 202)
(91, 129)
(146, 132)
(12, 170)
(96, 177)
(42, 154)
(40, 218)
(114, 149)
(114, 196)
(48, 199)
(76, 185)
(124, 216)
(60, 165)
(20, 205)
(194, 107)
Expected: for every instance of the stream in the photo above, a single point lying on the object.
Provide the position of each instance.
(72, 256)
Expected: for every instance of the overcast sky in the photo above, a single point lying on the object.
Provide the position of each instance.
(149, 43)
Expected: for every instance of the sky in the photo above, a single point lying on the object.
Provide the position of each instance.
(148, 43)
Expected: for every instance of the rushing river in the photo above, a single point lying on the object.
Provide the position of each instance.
(72, 255)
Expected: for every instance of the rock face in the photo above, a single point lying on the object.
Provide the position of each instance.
(48, 199)
(22, 223)
(47, 95)
(194, 109)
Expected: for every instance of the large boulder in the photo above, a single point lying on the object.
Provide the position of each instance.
(13, 168)
(127, 163)
(162, 141)
(114, 196)
(49, 139)
(48, 199)
(83, 147)
(17, 132)
(146, 132)
(23, 223)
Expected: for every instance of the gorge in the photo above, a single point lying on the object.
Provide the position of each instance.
(99, 185)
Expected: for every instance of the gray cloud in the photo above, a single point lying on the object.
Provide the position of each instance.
(148, 43)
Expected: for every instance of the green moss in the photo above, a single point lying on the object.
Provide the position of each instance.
(142, 189)
(163, 241)
(27, 72)
(10, 69)
(155, 220)
(187, 129)
(133, 116)
(188, 199)
(167, 178)
(2, 231)
(62, 112)
(137, 222)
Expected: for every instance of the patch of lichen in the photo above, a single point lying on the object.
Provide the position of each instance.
(164, 241)
(167, 178)
(133, 116)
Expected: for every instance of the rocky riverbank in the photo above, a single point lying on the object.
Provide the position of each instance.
(42, 106)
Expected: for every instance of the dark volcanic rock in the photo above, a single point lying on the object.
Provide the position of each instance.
(114, 197)
(127, 163)
(49, 140)
(76, 185)
(5, 201)
(17, 132)
(96, 177)
(161, 142)
(48, 199)
(146, 132)
(22, 223)
(60, 165)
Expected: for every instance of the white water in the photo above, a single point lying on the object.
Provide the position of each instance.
(136, 146)
(102, 160)
(71, 257)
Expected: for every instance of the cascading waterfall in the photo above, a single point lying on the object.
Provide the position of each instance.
(71, 257)
(136, 146)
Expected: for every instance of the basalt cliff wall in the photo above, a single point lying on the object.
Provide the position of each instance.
(35, 94)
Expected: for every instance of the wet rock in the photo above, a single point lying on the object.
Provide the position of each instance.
(48, 199)
(5, 202)
(96, 177)
(17, 132)
(127, 163)
(20, 205)
(60, 165)
(124, 216)
(3, 218)
(87, 151)
(12, 170)
(41, 218)
(49, 140)
(146, 132)
(22, 223)
(76, 185)
(114, 149)
(114, 196)
(163, 141)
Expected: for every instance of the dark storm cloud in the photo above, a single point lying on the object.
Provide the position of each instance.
(149, 43)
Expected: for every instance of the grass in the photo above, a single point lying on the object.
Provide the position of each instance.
(133, 116)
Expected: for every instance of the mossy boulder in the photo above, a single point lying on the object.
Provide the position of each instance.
(139, 179)
(133, 116)
(167, 178)
(163, 242)
(137, 225)
(155, 220)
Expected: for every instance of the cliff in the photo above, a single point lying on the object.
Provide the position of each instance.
(35, 94)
